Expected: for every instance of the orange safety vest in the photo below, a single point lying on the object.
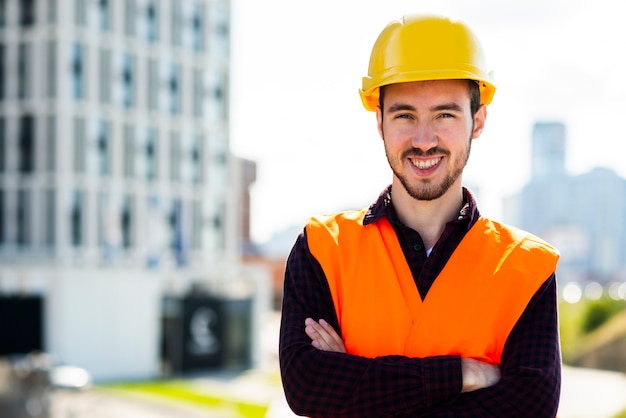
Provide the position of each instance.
(470, 309)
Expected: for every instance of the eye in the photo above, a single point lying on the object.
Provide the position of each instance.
(446, 115)
(403, 116)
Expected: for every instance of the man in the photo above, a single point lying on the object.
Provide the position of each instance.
(419, 306)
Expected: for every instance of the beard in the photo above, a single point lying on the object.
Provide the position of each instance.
(428, 189)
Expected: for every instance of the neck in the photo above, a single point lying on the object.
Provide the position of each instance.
(427, 217)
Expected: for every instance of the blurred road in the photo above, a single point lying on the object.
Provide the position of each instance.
(99, 403)
(588, 393)
(585, 394)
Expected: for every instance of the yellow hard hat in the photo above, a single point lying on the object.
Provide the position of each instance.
(426, 47)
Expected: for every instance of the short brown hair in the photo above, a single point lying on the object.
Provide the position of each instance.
(474, 92)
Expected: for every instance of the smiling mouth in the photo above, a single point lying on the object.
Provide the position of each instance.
(426, 164)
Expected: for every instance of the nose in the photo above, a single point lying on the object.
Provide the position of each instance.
(424, 136)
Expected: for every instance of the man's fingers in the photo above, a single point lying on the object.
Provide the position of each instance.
(325, 339)
(323, 336)
(338, 342)
(317, 333)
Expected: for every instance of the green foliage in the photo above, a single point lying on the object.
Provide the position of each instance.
(600, 311)
(580, 319)
(570, 318)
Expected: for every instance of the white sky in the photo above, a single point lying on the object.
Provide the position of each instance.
(297, 67)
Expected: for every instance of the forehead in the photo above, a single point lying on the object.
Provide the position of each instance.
(457, 90)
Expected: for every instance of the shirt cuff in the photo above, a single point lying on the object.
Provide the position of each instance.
(443, 379)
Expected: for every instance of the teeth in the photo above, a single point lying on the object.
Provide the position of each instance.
(424, 164)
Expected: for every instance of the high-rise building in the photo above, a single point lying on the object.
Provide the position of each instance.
(548, 150)
(583, 215)
(115, 169)
(114, 131)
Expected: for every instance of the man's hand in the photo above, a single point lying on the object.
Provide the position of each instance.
(324, 336)
(478, 374)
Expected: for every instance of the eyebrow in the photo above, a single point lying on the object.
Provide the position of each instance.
(447, 106)
(399, 107)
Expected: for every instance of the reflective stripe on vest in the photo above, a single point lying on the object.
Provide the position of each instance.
(470, 309)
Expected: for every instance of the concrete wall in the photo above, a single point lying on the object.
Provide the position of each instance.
(108, 321)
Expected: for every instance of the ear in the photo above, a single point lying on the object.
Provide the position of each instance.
(479, 121)
(379, 119)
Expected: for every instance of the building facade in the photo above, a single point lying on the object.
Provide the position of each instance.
(114, 131)
(115, 171)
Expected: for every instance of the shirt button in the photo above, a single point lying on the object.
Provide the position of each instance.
(417, 247)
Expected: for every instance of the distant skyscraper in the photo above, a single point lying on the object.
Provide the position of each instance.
(548, 150)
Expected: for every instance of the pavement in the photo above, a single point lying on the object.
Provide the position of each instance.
(585, 393)
(590, 393)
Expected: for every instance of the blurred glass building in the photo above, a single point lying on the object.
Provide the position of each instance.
(116, 180)
(583, 215)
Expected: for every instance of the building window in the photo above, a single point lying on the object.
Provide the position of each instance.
(196, 159)
(196, 231)
(102, 149)
(26, 160)
(3, 144)
(129, 151)
(3, 52)
(52, 11)
(104, 15)
(152, 22)
(218, 227)
(105, 76)
(24, 207)
(174, 86)
(76, 218)
(176, 23)
(175, 224)
(223, 92)
(197, 27)
(175, 156)
(102, 220)
(78, 69)
(80, 131)
(153, 84)
(81, 12)
(130, 19)
(50, 215)
(126, 221)
(27, 12)
(24, 65)
(51, 72)
(2, 216)
(51, 128)
(151, 154)
(198, 92)
(127, 80)
(3, 13)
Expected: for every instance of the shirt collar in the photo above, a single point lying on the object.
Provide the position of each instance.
(383, 207)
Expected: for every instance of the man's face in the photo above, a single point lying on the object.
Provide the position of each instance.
(427, 129)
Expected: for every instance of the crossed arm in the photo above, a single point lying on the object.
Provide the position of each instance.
(476, 374)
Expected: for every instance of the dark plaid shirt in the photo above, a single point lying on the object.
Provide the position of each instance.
(326, 384)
